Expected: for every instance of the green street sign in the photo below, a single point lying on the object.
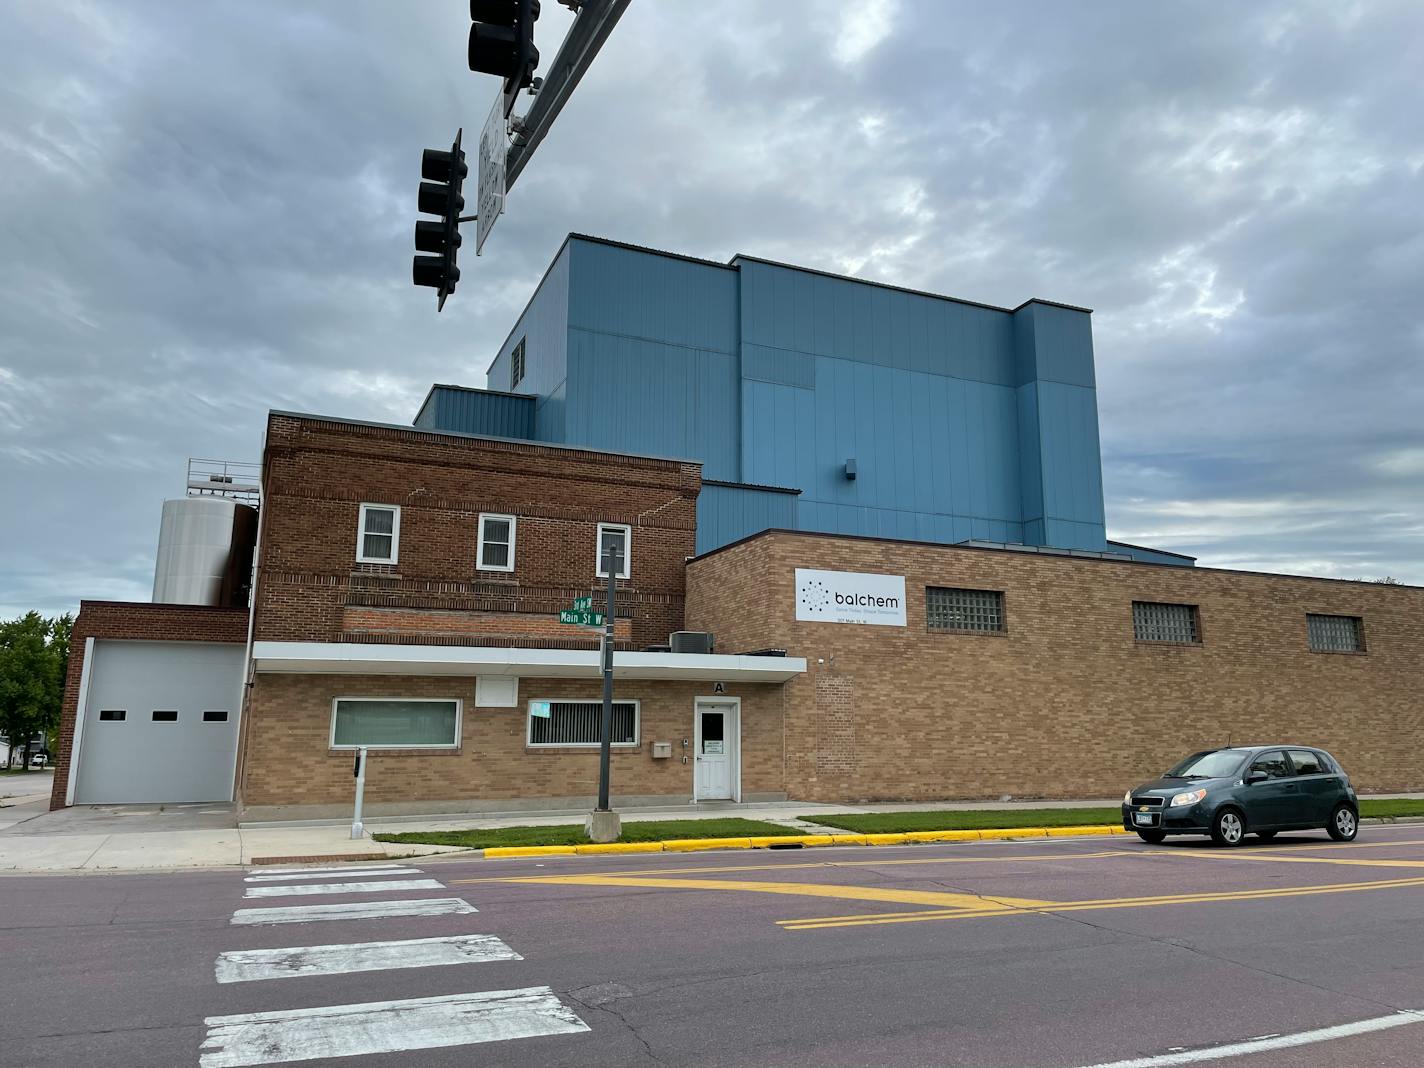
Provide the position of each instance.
(583, 604)
(582, 619)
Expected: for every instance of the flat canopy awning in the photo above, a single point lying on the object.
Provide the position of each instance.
(358, 658)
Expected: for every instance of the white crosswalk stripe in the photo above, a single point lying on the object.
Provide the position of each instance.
(315, 889)
(354, 910)
(360, 873)
(247, 965)
(385, 1027)
(336, 870)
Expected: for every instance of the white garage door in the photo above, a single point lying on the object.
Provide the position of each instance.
(160, 722)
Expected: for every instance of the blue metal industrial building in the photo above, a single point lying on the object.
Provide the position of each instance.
(814, 401)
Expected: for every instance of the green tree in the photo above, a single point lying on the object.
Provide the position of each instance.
(34, 655)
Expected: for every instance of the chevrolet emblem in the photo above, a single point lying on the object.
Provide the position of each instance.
(1141, 808)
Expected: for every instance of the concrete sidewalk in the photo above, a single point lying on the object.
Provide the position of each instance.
(204, 835)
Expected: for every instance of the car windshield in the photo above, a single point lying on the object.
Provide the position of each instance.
(1212, 765)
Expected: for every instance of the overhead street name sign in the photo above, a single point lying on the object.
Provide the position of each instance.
(582, 619)
(494, 149)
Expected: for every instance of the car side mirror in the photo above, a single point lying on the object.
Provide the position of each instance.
(1256, 776)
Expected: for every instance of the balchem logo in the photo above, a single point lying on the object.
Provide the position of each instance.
(850, 597)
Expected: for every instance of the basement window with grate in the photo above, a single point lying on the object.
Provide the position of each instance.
(972, 611)
(579, 722)
(1335, 634)
(1153, 621)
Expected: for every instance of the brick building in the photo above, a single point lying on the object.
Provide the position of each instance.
(408, 580)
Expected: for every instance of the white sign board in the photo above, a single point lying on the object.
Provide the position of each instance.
(850, 597)
(494, 147)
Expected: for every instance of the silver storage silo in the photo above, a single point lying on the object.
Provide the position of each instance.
(204, 552)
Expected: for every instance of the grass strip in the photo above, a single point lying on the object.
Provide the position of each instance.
(978, 819)
(572, 834)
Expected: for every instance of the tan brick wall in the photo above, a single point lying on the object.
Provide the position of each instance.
(318, 472)
(290, 763)
(132, 621)
(1066, 703)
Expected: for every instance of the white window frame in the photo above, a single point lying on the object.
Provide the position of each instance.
(480, 564)
(459, 720)
(627, 569)
(361, 557)
(529, 723)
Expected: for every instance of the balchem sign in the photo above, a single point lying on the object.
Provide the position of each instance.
(850, 597)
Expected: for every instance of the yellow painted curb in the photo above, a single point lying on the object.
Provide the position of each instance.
(620, 847)
(1013, 832)
(897, 838)
(689, 845)
(530, 851)
(942, 836)
(1065, 832)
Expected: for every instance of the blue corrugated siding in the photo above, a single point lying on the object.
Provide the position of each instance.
(726, 513)
(478, 412)
(544, 328)
(964, 421)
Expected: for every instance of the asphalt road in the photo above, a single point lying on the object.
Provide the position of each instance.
(1045, 954)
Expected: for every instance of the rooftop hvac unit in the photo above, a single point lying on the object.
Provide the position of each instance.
(690, 641)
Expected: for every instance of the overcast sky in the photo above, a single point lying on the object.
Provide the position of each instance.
(206, 212)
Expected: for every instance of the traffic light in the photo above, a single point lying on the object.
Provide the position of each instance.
(502, 43)
(440, 195)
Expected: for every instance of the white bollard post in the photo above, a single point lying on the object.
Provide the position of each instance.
(357, 830)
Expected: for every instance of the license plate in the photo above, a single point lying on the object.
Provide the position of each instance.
(1143, 819)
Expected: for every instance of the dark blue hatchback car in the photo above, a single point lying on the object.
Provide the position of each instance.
(1257, 789)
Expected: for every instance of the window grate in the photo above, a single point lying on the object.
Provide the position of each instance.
(1156, 622)
(1335, 634)
(516, 365)
(978, 611)
(580, 722)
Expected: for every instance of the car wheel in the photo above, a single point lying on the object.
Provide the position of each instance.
(1344, 824)
(1152, 837)
(1228, 827)
(1265, 836)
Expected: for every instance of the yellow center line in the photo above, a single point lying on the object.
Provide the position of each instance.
(887, 862)
(812, 923)
(854, 893)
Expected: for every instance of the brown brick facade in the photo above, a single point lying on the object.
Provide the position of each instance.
(318, 472)
(291, 768)
(123, 620)
(1065, 703)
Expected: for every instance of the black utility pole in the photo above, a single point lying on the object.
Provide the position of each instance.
(613, 565)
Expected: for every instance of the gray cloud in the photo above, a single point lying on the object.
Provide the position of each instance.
(207, 213)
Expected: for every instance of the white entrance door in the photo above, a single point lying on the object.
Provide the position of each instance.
(718, 741)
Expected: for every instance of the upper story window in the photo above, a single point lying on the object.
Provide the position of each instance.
(496, 548)
(516, 365)
(979, 611)
(1153, 621)
(614, 538)
(1335, 634)
(378, 538)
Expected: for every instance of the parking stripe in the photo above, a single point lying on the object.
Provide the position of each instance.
(364, 873)
(296, 961)
(354, 910)
(385, 1027)
(316, 889)
(1402, 1018)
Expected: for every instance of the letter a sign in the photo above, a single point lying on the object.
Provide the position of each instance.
(719, 688)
